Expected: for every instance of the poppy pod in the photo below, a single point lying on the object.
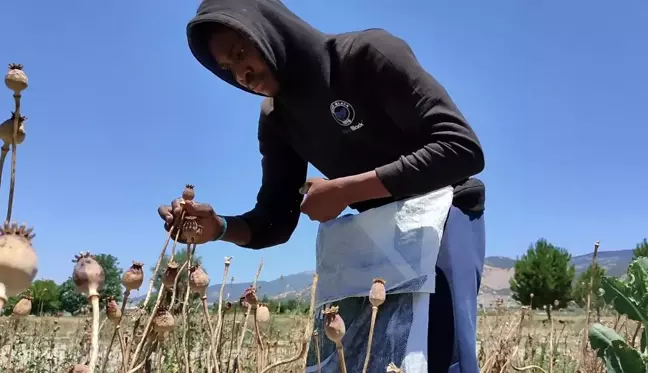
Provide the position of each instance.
(263, 314)
(113, 312)
(23, 307)
(377, 292)
(88, 275)
(191, 230)
(6, 130)
(18, 261)
(133, 277)
(198, 280)
(16, 79)
(188, 194)
(250, 296)
(169, 276)
(163, 321)
(333, 324)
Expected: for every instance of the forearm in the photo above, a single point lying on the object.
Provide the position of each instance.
(237, 232)
(362, 187)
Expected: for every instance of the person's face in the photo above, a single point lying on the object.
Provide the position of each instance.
(236, 53)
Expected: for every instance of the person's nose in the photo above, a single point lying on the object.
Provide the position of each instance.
(243, 75)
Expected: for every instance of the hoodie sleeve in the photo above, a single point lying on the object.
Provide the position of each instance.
(450, 151)
(276, 213)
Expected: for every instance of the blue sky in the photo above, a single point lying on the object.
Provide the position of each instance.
(121, 116)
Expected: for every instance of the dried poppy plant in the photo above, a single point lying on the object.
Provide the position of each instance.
(23, 307)
(88, 276)
(6, 135)
(18, 261)
(376, 298)
(132, 279)
(16, 80)
(215, 342)
(335, 329)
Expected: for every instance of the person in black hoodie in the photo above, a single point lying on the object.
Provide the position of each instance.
(360, 108)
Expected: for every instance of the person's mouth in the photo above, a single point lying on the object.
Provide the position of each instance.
(257, 87)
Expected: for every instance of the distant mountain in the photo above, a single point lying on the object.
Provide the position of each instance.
(499, 262)
(498, 270)
(615, 262)
(290, 286)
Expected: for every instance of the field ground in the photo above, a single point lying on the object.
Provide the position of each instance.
(506, 339)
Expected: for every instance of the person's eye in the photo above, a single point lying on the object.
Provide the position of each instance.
(241, 54)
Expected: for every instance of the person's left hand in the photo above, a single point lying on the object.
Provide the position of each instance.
(324, 199)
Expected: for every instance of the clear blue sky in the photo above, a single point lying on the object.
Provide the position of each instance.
(121, 116)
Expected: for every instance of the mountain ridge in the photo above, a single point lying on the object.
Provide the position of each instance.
(498, 270)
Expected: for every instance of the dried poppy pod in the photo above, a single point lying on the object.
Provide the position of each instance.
(133, 277)
(188, 194)
(333, 324)
(169, 276)
(198, 280)
(6, 130)
(23, 307)
(88, 275)
(79, 368)
(113, 311)
(18, 261)
(16, 79)
(163, 321)
(250, 296)
(228, 306)
(191, 230)
(263, 314)
(377, 292)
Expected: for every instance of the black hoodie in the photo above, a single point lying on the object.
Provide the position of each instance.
(348, 103)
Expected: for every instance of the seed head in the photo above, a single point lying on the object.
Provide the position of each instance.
(163, 321)
(168, 278)
(263, 314)
(23, 307)
(377, 292)
(191, 230)
(228, 306)
(333, 324)
(250, 296)
(228, 261)
(198, 280)
(88, 275)
(133, 277)
(113, 312)
(16, 79)
(188, 194)
(6, 130)
(18, 261)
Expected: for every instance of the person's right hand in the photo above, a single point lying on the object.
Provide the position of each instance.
(206, 217)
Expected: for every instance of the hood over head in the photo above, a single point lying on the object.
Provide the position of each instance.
(295, 51)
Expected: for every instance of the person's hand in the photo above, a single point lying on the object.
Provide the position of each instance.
(206, 217)
(324, 199)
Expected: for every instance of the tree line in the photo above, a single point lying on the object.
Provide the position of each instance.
(545, 279)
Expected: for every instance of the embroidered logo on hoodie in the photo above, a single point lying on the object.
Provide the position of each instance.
(344, 115)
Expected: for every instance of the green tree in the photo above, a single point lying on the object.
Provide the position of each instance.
(641, 250)
(581, 288)
(45, 298)
(545, 272)
(72, 301)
